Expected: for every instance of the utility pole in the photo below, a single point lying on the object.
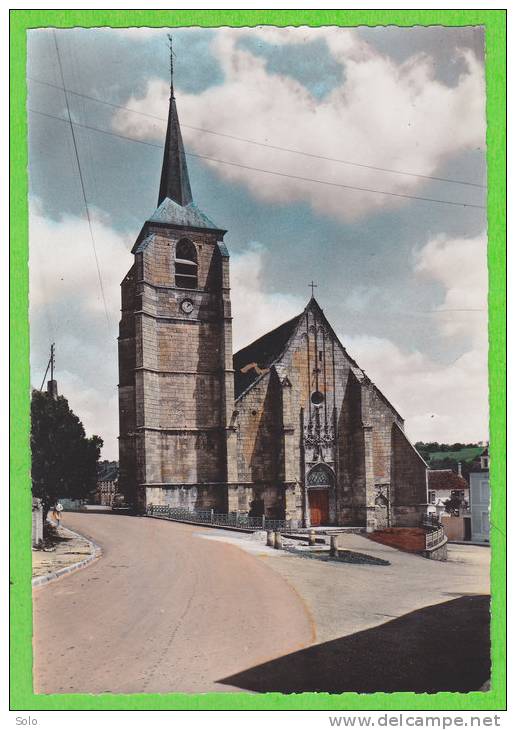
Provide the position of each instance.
(52, 384)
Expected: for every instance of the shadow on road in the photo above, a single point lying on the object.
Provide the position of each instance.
(445, 647)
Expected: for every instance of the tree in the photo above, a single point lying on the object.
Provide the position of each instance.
(453, 505)
(64, 460)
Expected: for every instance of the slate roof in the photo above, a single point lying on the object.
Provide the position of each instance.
(190, 215)
(264, 352)
(174, 183)
(107, 471)
(445, 479)
(175, 201)
(268, 349)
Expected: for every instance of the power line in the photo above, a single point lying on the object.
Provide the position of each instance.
(265, 144)
(269, 172)
(82, 183)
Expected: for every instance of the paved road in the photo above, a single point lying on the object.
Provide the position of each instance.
(374, 594)
(406, 625)
(161, 611)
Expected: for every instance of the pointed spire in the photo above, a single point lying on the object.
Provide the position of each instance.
(175, 183)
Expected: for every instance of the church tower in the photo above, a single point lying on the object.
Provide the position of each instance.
(177, 445)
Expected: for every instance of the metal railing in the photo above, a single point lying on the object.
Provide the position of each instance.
(210, 517)
(434, 538)
(431, 521)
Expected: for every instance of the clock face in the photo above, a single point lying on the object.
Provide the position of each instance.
(187, 306)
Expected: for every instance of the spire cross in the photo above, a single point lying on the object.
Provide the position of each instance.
(314, 286)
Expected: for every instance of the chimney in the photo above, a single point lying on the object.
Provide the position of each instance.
(52, 389)
(459, 468)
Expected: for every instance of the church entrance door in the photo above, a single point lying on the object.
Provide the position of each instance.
(318, 499)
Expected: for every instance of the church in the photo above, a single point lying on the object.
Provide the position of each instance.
(289, 427)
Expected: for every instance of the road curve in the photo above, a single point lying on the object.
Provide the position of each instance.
(163, 610)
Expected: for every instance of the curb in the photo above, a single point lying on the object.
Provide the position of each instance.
(469, 542)
(96, 552)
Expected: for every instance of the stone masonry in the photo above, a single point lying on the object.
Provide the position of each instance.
(289, 427)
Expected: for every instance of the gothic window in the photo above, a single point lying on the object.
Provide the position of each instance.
(320, 476)
(186, 265)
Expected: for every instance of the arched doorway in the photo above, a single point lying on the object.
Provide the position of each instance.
(319, 482)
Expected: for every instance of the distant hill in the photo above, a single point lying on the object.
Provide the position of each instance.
(447, 456)
(467, 453)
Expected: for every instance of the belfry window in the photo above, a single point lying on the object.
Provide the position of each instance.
(186, 265)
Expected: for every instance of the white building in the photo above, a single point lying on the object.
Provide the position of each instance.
(480, 495)
(443, 485)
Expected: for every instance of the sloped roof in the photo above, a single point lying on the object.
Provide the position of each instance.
(184, 216)
(445, 479)
(190, 215)
(175, 183)
(268, 349)
(261, 354)
(107, 471)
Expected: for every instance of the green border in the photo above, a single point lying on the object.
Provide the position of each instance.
(22, 696)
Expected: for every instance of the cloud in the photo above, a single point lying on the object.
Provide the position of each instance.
(66, 306)
(388, 114)
(95, 406)
(444, 402)
(440, 402)
(256, 310)
(459, 265)
(63, 265)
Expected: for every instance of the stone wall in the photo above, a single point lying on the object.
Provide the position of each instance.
(37, 522)
(127, 386)
(189, 496)
(455, 527)
(174, 368)
(409, 487)
(274, 416)
(186, 442)
(259, 432)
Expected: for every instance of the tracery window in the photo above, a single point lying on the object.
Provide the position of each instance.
(186, 264)
(320, 475)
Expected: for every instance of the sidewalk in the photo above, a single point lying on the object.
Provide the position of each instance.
(68, 551)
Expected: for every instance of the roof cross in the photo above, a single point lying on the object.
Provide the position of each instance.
(314, 286)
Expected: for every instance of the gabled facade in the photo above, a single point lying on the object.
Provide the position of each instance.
(318, 443)
(290, 427)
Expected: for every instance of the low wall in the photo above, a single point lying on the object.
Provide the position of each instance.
(409, 539)
(408, 515)
(454, 527)
(37, 522)
(438, 553)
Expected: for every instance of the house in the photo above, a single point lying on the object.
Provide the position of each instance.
(443, 485)
(107, 483)
(480, 496)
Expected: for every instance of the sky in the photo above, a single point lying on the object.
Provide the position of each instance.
(402, 280)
